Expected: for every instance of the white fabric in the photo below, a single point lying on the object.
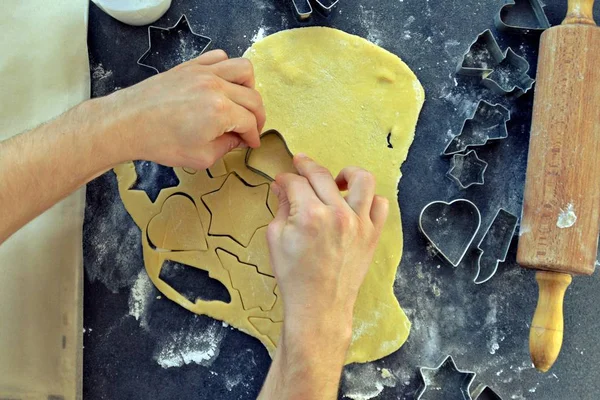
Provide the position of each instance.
(44, 71)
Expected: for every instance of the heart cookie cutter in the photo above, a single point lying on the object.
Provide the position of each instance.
(450, 227)
(512, 17)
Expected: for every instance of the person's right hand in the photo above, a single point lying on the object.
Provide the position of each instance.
(321, 245)
(191, 115)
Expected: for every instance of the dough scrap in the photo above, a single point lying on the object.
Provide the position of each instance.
(337, 98)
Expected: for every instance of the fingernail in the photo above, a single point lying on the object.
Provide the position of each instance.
(302, 156)
(243, 145)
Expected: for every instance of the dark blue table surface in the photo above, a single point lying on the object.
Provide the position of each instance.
(138, 345)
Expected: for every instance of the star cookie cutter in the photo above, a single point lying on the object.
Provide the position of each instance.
(168, 47)
(445, 381)
(467, 169)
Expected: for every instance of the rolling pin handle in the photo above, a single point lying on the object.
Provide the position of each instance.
(546, 333)
(580, 12)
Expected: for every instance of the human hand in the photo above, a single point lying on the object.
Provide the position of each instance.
(191, 115)
(321, 245)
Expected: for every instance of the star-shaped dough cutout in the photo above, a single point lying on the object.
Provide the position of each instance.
(445, 381)
(238, 209)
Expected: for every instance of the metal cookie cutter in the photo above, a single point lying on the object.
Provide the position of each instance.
(445, 381)
(483, 392)
(510, 75)
(168, 47)
(304, 8)
(450, 227)
(493, 247)
(487, 123)
(504, 73)
(467, 169)
(272, 157)
(522, 17)
(483, 54)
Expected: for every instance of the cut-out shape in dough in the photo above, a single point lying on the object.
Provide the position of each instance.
(256, 289)
(268, 328)
(272, 157)
(256, 254)
(152, 178)
(238, 209)
(178, 226)
(193, 283)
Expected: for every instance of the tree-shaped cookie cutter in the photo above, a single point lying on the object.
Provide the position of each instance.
(503, 73)
(511, 17)
(168, 47)
(487, 123)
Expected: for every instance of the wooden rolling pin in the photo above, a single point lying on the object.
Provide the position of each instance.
(561, 210)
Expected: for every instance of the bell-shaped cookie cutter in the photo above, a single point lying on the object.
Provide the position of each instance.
(504, 73)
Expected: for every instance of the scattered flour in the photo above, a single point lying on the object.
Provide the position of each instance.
(364, 381)
(142, 292)
(191, 346)
(260, 34)
(369, 21)
(100, 73)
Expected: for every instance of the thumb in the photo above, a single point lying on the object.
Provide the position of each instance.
(283, 211)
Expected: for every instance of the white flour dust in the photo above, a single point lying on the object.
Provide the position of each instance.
(191, 346)
(260, 34)
(365, 381)
(142, 293)
(369, 21)
(100, 73)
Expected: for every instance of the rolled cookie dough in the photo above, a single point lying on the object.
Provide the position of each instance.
(340, 99)
(333, 96)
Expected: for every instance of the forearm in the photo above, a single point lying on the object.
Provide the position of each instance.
(40, 167)
(307, 364)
